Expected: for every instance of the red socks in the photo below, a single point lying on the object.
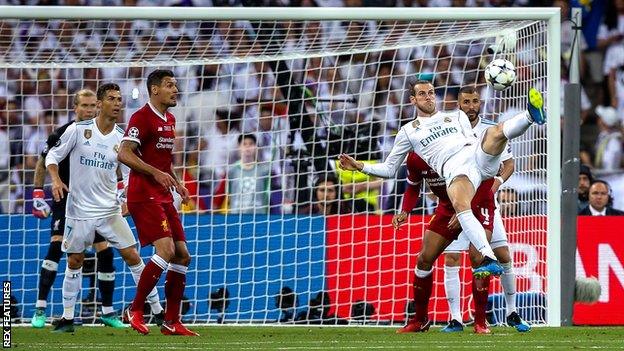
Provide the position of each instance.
(480, 288)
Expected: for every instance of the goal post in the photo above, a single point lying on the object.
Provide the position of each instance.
(330, 80)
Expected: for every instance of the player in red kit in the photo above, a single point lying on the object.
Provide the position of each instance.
(441, 231)
(147, 148)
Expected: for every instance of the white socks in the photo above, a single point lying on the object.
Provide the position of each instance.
(453, 291)
(475, 232)
(423, 274)
(508, 281)
(517, 125)
(72, 283)
(153, 299)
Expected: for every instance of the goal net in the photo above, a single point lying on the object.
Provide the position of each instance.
(277, 232)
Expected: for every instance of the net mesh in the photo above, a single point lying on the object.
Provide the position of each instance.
(263, 247)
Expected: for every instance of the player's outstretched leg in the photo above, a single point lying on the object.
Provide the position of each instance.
(47, 275)
(535, 106)
(480, 288)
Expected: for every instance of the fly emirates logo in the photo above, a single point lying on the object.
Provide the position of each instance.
(438, 132)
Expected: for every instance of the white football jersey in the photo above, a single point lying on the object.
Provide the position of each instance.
(435, 139)
(92, 169)
(480, 128)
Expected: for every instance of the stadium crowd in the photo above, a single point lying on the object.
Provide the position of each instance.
(242, 150)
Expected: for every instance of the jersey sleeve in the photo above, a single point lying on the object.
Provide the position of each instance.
(53, 139)
(391, 165)
(414, 177)
(138, 131)
(62, 147)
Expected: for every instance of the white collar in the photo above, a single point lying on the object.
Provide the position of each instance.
(595, 212)
(164, 118)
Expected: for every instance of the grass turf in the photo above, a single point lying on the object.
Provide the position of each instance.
(318, 338)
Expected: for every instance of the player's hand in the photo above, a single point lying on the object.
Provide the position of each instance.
(496, 184)
(165, 179)
(124, 209)
(348, 163)
(183, 191)
(57, 189)
(40, 209)
(399, 219)
(453, 224)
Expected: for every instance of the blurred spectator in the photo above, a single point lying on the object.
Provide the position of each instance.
(600, 201)
(219, 144)
(359, 186)
(508, 202)
(584, 182)
(272, 135)
(5, 159)
(249, 187)
(326, 198)
(609, 143)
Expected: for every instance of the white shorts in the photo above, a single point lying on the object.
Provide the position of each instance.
(499, 237)
(79, 233)
(472, 162)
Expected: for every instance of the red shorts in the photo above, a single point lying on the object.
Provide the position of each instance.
(482, 207)
(155, 221)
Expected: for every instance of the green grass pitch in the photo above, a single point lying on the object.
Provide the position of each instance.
(319, 338)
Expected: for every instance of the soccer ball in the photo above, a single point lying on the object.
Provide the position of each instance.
(500, 74)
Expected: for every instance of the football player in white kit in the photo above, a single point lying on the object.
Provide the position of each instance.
(470, 103)
(92, 202)
(446, 141)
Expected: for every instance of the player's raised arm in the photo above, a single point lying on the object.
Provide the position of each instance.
(57, 154)
(128, 157)
(391, 164)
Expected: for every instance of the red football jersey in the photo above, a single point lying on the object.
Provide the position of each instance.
(155, 135)
(418, 169)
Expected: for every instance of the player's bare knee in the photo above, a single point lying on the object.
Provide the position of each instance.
(75, 260)
(451, 259)
(182, 258)
(424, 263)
(461, 204)
(101, 246)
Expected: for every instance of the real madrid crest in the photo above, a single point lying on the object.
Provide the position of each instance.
(416, 123)
(116, 148)
(447, 119)
(87, 133)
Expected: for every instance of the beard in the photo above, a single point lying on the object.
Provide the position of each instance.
(426, 108)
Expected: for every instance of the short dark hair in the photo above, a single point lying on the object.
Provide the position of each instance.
(584, 169)
(247, 136)
(326, 178)
(156, 77)
(469, 89)
(104, 88)
(419, 81)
